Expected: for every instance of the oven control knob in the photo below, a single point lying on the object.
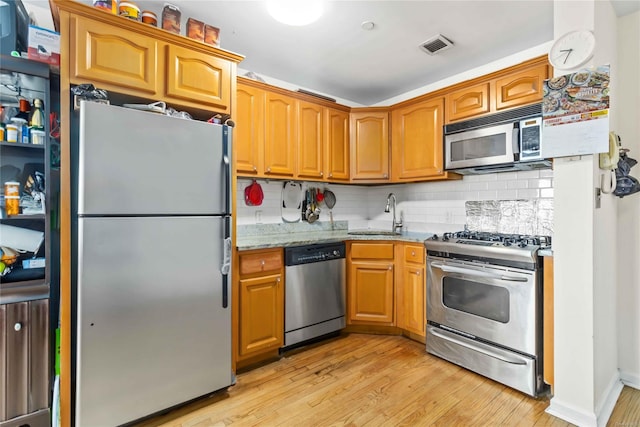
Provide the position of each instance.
(434, 237)
(336, 253)
(522, 244)
(507, 243)
(445, 238)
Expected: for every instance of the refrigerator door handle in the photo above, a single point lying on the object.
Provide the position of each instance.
(226, 267)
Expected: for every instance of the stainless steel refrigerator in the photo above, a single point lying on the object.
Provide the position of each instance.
(152, 263)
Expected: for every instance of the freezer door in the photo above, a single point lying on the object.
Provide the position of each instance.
(136, 162)
(152, 330)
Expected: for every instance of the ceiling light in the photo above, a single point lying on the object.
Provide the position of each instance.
(295, 12)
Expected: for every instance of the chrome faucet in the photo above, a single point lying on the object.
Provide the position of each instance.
(394, 225)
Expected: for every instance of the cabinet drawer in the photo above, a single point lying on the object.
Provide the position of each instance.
(372, 250)
(414, 253)
(259, 262)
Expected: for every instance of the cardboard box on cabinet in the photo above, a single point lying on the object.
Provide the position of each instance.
(44, 45)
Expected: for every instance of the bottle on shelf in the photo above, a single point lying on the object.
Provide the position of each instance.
(36, 120)
(22, 120)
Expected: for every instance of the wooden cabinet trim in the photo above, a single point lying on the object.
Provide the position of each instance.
(293, 94)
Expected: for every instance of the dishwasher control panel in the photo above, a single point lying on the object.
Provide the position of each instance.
(314, 253)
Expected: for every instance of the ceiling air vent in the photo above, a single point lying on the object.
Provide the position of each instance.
(436, 44)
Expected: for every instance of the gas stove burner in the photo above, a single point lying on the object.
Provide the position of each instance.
(512, 240)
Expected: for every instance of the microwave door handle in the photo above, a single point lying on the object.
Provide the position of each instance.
(515, 140)
(508, 359)
(469, 272)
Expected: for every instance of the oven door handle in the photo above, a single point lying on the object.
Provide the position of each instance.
(513, 359)
(453, 269)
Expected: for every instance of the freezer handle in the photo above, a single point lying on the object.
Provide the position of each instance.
(226, 159)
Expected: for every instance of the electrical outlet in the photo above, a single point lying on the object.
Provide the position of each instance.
(258, 217)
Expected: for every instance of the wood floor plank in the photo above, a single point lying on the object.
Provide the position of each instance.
(371, 380)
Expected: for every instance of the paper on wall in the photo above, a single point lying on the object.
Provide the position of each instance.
(575, 112)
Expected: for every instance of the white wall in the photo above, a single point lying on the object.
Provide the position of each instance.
(585, 246)
(426, 207)
(628, 127)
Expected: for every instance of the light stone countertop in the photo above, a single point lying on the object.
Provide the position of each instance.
(284, 235)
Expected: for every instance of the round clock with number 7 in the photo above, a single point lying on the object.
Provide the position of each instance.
(572, 50)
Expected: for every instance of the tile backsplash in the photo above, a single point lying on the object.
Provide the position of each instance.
(425, 206)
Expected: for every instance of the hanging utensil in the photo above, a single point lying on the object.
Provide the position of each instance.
(330, 201)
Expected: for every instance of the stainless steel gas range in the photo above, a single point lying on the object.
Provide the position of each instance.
(484, 305)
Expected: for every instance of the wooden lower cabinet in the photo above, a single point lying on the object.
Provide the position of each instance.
(370, 290)
(260, 303)
(411, 286)
(386, 288)
(25, 367)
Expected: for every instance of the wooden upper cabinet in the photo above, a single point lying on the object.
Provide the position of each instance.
(198, 77)
(101, 53)
(337, 145)
(417, 141)
(468, 102)
(512, 87)
(248, 134)
(311, 131)
(280, 139)
(521, 88)
(131, 58)
(369, 145)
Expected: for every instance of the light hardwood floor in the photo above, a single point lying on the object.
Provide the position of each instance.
(373, 380)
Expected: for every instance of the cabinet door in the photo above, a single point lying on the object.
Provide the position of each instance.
(101, 53)
(411, 313)
(280, 136)
(369, 146)
(17, 359)
(370, 292)
(248, 134)
(469, 101)
(417, 140)
(337, 145)
(199, 78)
(310, 140)
(521, 88)
(261, 314)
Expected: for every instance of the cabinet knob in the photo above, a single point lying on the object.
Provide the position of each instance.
(278, 279)
(255, 168)
(391, 267)
(321, 173)
(417, 273)
(330, 175)
(17, 326)
(262, 263)
(268, 170)
(385, 176)
(413, 253)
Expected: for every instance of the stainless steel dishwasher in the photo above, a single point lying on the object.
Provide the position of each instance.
(314, 291)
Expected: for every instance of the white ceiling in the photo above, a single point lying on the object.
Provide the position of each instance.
(335, 56)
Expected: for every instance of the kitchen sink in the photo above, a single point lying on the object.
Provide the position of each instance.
(373, 233)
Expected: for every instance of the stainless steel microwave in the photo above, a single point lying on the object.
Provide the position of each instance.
(508, 141)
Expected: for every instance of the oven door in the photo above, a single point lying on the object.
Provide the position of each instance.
(493, 303)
